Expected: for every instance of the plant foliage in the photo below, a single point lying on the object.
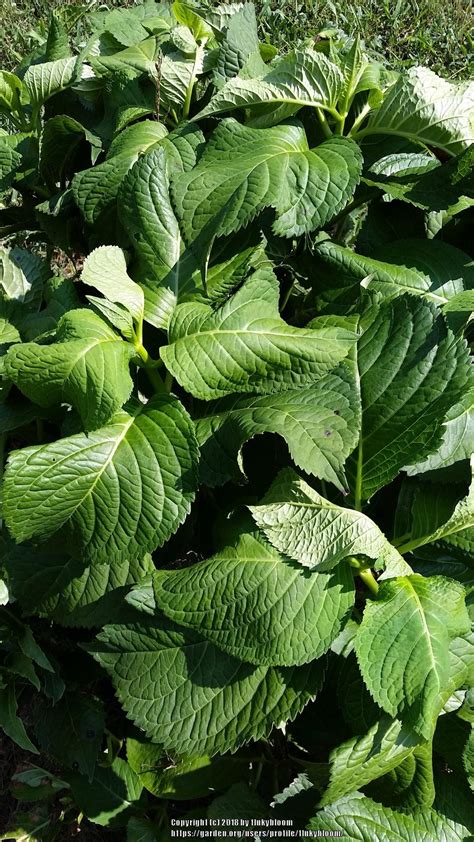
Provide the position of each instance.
(236, 431)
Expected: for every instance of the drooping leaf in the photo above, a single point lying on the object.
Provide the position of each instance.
(257, 605)
(315, 532)
(319, 423)
(403, 646)
(9, 164)
(458, 438)
(427, 109)
(123, 489)
(10, 722)
(434, 270)
(245, 346)
(87, 366)
(22, 276)
(158, 668)
(303, 77)
(240, 41)
(43, 81)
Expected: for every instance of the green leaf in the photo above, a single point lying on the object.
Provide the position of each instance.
(10, 722)
(244, 170)
(112, 790)
(57, 45)
(318, 422)
(43, 81)
(458, 438)
(159, 669)
(49, 584)
(303, 77)
(240, 802)
(23, 275)
(436, 515)
(60, 141)
(258, 605)
(245, 346)
(72, 731)
(315, 532)
(240, 41)
(87, 366)
(412, 371)
(434, 270)
(105, 269)
(140, 829)
(146, 211)
(359, 760)
(10, 89)
(402, 646)
(185, 779)
(359, 818)
(427, 109)
(8, 334)
(143, 464)
(9, 164)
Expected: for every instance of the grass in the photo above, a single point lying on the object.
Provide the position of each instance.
(436, 33)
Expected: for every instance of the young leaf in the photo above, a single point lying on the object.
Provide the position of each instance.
(258, 605)
(143, 464)
(244, 170)
(87, 366)
(402, 646)
(158, 669)
(245, 346)
(319, 423)
(314, 531)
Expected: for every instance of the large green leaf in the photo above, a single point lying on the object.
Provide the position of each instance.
(10, 161)
(192, 698)
(425, 108)
(257, 605)
(412, 371)
(60, 140)
(44, 80)
(429, 268)
(403, 646)
(72, 731)
(320, 424)
(22, 276)
(87, 366)
(124, 489)
(358, 818)
(315, 532)
(46, 582)
(304, 77)
(244, 170)
(245, 346)
(361, 759)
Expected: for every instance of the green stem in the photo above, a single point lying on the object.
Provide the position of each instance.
(360, 119)
(168, 381)
(358, 483)
(403, 549)
(324, 123)
(368, 579)
(340, 122)
(192, 81)
(287, 295)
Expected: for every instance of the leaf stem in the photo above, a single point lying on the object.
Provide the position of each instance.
(324, 123)
(369, 580)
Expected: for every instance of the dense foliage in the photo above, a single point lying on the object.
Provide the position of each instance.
(236, 413)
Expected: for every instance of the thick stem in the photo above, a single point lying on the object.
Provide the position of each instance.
(358, 483)
(368, 579)
(192, 81)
